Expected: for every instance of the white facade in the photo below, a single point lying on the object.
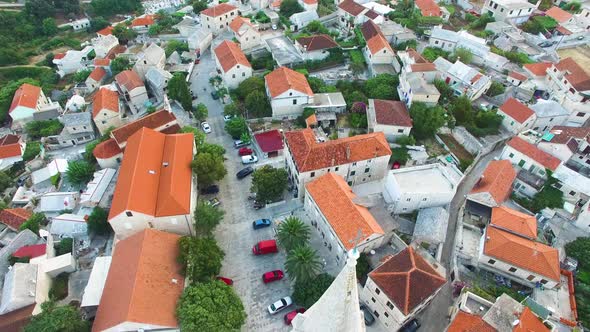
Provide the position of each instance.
(416, 87)
(103, 44)
(152, 56)
(80, 24)
(523, 161)
(218, 24)
(72, 61)
(124, 225)
(511, 11)
(235, 75)
(464, 79)
(248, 37)
(200, 40)
(513, 126)
(289, 103)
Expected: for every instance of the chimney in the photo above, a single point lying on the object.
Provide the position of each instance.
(348, 152)
(165, 164)
(152, 171)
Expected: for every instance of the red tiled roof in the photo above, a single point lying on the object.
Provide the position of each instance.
(428, 8)
(562, 134)
(351, 7)
(391, 112)
(522, 252)
(465, 322)
(374, 38)
(558, 14)
(514, 221)
(14, 218)
(155, 175)
(563, 30)
(105, 99)
(31, 251)
(418, 58)
(526, 148)
(310, 2)
(528, 322)
(517, 110)
(143, 21)
(334, 198)
(538, 69)
(371, 14)
(102, 62)
(517, 75)
(230, 55)
(269, 141)
(98, 74)
(107, 149)
(317, 42)
(407, 279)
(15, 321)
(577, 77)
(154, 121)
(309, 155)
(218, 10)
(10, 146)
(311, 121)
(26, 95)
(129, 79)
(238, 22)
(59, 56)
(106, 31)
(422, 67)
(276, 4)
(282, 79)
(143, 283)
(115, 51)
(496, 180)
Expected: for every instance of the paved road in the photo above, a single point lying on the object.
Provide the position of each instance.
(235, 234)
(434, 317)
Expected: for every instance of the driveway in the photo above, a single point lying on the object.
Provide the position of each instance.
(235, 234)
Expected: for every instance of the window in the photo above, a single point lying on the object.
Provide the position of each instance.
(408, 199)
(373, 299)
(129, 214)
(377, 291)
(352, 172)
(233, 76)
(336, 169)
(544, 282)
(521, 163)
(511, 155)
(389, 305)
(541, 172)
(376, 313)
(491, 261)
(530, 277)
(436, 42)
(386, 314)
(424, 199)
(244, 74)
(312, 174)
(350, 183)
(572, 193)
(294, 101)
(558, 185)
(354, 164)
(73, 128)
(367, 170)
(580, 114)
(512, 269)
(399, 131)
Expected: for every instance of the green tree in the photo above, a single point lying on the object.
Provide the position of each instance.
(44, 128)
(293, 233)
(307, 293)
(232, 109)
(257, 104)
(98, 221)
(119, 64)
(207, 217)
(98, 23)
(290, 7)
(49, 27)
(81, 75)
(33, 223)
(303, 264)
(432, 53)
(236, 127)
(198, 134)
(214, 149)
(124, 33)
(405, 140)
(6, 181)
(446, 92)
(426, 120)
(79, 172)
(269, 183)
(248, 86)
(176, 45)
(382, 86)
(209, 168)
(199, 6)
(212, 306)
(245, 137)
(462, 110)
(31, 151)
(495, 89)
(201, 258)
(462, 54)
(580, 250)
(357, 120)
(201, 112)
(178, 90)
(54, 318)
(39, 9)
(65, 246)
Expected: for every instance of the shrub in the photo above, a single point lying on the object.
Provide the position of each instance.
(65, 246)
(59, 287)
(32, 150)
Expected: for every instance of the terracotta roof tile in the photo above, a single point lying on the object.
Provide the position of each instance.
(517, 75)
(31, 251)
(238, 22)
(276, 4)
(310, 155)
(577, 77)
(59, 56)
(311, 121)
(391, 112)
(269, 141)
(522, 252)
(428, 8)
(98, 74)
(310, 2)
(218, 10)
(558, 14)
(563, 30)
(528, 322)
(351, 7)
(282, 79)
(115, 51)
(10, 146)
(371, 14)
(105, 99)
(155, 176)
(514, 221)
(26, 95)
(15, 321)
(143, 21)
(526, 148)
(407, 279)
(144, 282)
(423, 67)
(107, 149)
(129, 80)
(562, 134)
(418, 58)
(230, 55)
(374, 38)
(102, 62)
(517, 110)
(106, 31)
(14, 218)
(156, 120)
(465, 322)
(538, 69)
(334, 198)
(317, 42)
(496, 181)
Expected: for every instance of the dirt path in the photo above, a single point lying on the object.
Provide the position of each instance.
(33, 60)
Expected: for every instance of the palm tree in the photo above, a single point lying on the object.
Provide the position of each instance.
(292, 233)
(303, 264)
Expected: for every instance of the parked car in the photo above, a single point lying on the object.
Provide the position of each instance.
(214, 95)
(280, 305)
(260, 223)
(274, 26)
(410, 326)
(244, 172)
(213, 202)
(239, 144)
(291, 315)
(271, 276)
(225, 280)
(369, 319)
(547, 43)
(226, 118)
(206, 128)
(265, 247)
(251, 159)
(212, 189)
(245, 152)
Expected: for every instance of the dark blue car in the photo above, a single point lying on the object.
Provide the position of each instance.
(260, 223)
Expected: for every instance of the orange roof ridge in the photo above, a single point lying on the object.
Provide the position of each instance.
(534, 153)
(26, 95)
(282, 79)
(229, 55)
(218, 10)
(514, 221)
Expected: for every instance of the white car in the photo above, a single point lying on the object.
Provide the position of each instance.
(206, 128)
(251, 159)
(274, 26)
(280, 305)
(226, 118)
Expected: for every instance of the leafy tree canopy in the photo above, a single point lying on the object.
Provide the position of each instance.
(308, 293)
(98, 221)
(426, 120)
(207, 217)
(54, 318)
(236, 127)
(303, 264)
(44, 128)
(293, 233)
(79, 172)
(119, 64)
(269, 183)
(178, 90)
(201, 258)
(383, 86)
(208, 167)
(290, 7)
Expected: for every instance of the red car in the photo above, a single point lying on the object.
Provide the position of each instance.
(290, 315)
(245, 152)
(272, 276)
(225, 280)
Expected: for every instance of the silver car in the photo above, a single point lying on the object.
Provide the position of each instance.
(251, 159)
(280, 305)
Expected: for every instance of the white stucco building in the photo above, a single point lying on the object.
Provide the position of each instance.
(217, 18)
(245, 32)
(288, 92)
(511, 11)
(389, 117)
(232, 63)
